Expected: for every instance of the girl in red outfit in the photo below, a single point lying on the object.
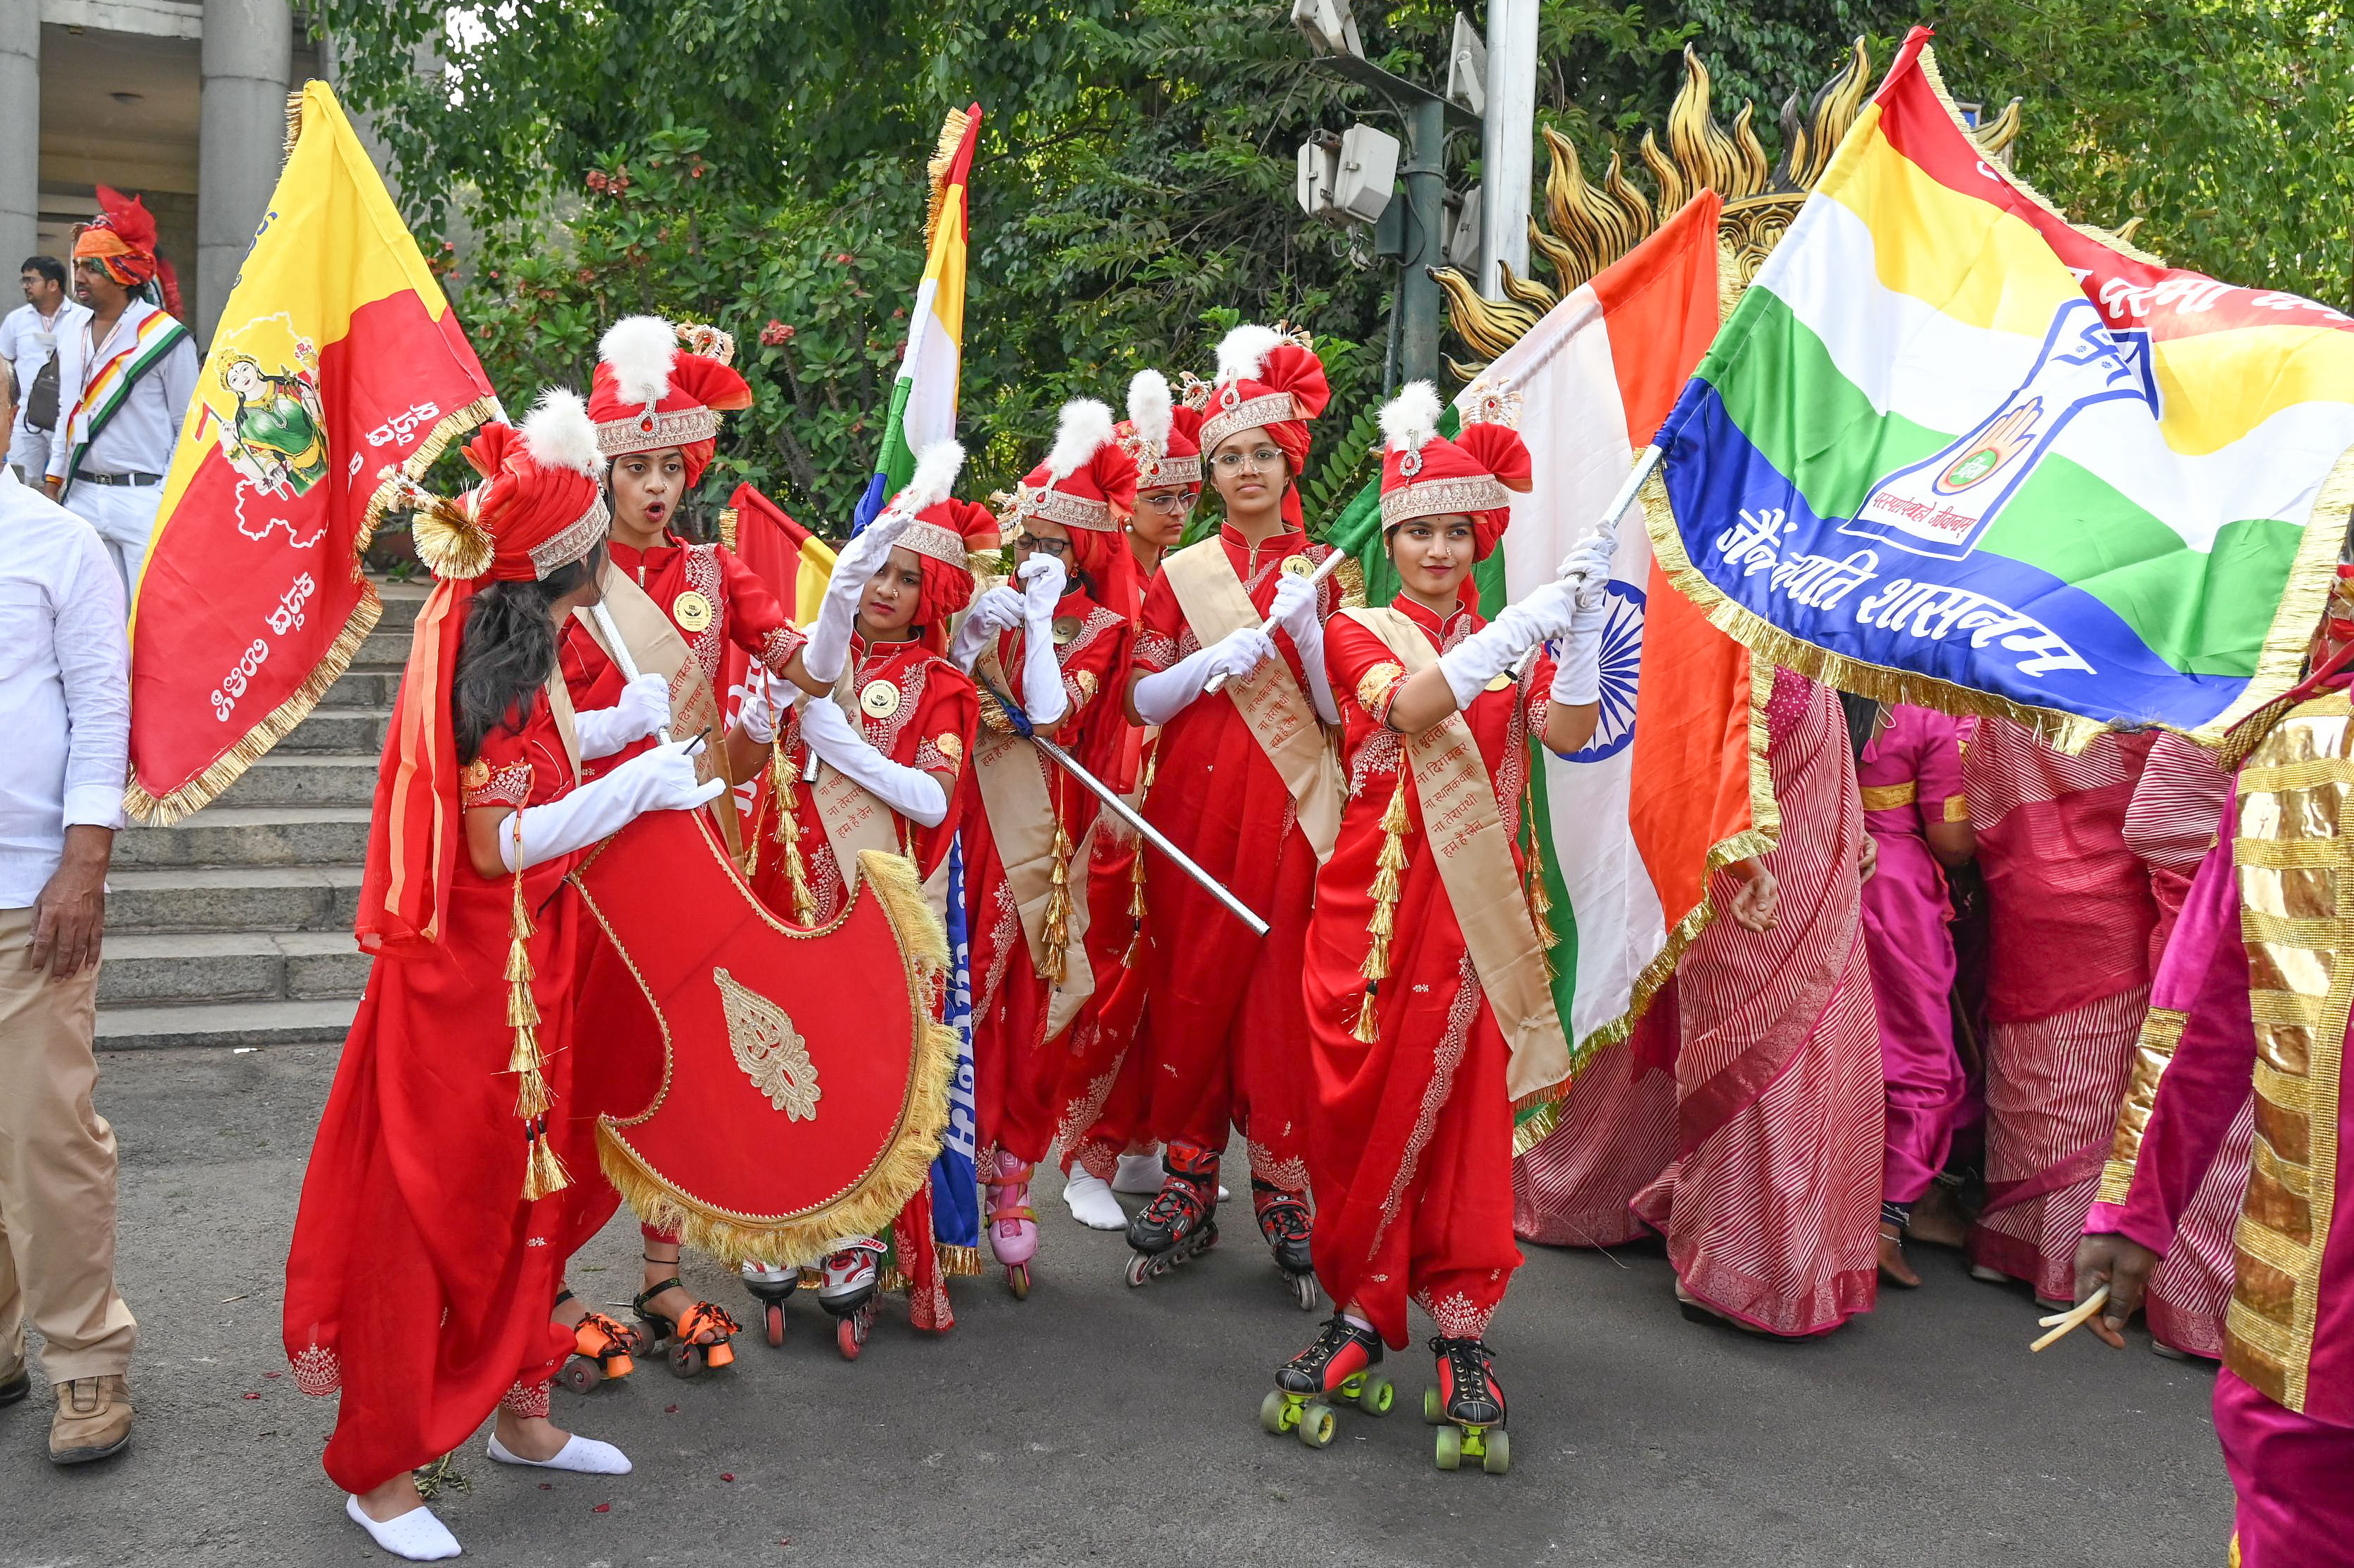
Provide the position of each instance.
(434, 1217)
(1102, 1087)
(1054, 643)
(676, 606)
(1245, 784)
(1429, 1002)
(873, 756)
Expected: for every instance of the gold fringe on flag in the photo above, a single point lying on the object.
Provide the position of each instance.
(936, 172)
(1384, 893)
(789, 832)
(1058, 909)
(543, 1171)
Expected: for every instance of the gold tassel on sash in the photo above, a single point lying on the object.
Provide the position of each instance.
(1532, 884)
(1058, 909)
(543, 1171)
(789, 831)
(1136, 873)
(1384, 893)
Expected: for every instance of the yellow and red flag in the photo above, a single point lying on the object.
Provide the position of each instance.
(793, 562)
(336, 368)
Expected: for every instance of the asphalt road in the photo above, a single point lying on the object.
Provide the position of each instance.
(1097, 1424)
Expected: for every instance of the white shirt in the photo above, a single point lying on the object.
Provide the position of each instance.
(21, 347)
(141, 436)
(65, 687)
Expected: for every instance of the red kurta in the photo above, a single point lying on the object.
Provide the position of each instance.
(1410, 1137)
(1225, 1041)
(1018, 1071)
(1103, 1096)
(419, 1281)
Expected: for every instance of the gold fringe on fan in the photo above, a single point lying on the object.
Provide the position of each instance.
(875, 1201)
(1384, 893)
(1057, 942)
(788, 834)
(543, 1171)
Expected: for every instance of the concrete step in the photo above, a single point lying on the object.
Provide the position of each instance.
(382, 649)
(224, 1024)
(369, 688)
(251, 835)
(152, 970)
(233, 898)
(292, 778)
(401, 601)
(354, 731)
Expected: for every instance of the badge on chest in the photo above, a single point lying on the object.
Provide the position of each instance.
(692, 611)
(879, 699)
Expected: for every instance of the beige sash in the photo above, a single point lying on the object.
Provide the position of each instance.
(559, 708)
(1280, 715)
(1467, 836)
(1011, 774)
(656, 648)
(855, 821)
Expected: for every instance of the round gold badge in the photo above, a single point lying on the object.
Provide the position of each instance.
(1500, 681)
(1299, 566)
(879, 699)
(691, 610)
(1065, 628)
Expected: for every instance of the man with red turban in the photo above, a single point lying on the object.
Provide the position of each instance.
(1245, 785)
(130, 375)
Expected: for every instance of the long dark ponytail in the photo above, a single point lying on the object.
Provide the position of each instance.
(508, 651)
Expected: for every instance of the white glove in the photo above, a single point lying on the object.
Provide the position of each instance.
(1294, 610)
(829, 642)
(1043, 697)
(1577, 675)
(661, 780)
(1162, 697)
(910, 791)
(644, 708)
(1589, 561)
(758, 717)
(999, 610)
(1488, 652)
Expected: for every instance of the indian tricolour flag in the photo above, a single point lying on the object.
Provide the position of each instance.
(924, 397)
(1629, 827)
(1952, 449)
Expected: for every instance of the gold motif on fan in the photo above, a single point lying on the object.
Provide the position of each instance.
(769, 1048)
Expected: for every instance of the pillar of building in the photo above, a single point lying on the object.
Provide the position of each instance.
(20, 133)
(248, 48)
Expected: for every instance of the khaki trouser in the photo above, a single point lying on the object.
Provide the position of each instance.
(57, 1173)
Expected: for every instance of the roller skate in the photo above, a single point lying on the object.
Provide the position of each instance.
(696, 1340)
(846, 1289)
(1181, 1221)
(1337, 1368)
(1468, 1406)
(771, 1288)
(1013, 1222)
(602, 1349)
(1283, 1220)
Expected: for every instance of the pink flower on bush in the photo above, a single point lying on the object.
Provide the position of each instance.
(595, 180)
(776, 334)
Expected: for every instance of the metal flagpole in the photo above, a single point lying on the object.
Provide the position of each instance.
(621, 652)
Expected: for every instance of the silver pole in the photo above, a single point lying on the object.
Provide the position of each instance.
(1507, 135)
(1331, 563)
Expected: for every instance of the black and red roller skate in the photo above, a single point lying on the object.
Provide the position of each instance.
(1468, 1406)
(1181, 1221)
(1284, 1221)
(771, 1288)
(1338, 1369)
(699, 1339)
(847, 1284)
(602, 1349)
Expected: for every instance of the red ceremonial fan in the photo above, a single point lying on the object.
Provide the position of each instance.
(802, 1085)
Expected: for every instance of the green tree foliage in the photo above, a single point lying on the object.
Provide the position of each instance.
(759, 163)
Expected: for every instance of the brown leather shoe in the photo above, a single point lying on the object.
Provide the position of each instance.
(94, 1419)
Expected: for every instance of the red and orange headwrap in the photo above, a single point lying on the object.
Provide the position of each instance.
(1424, 474)
(539, 509)
(1087, 485)
(647, 395)
(942, 533)
(1162, 436)
(121, 239)
(1271, 380)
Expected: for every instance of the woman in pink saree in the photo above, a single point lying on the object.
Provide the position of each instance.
(1771, 1209)
(1910, 777)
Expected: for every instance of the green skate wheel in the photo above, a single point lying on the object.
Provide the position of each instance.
(1430, 1411)
(1450, 1447)
(1499, 1456)
(1317, 1424)
(1377, 1395)
(1271, 1412)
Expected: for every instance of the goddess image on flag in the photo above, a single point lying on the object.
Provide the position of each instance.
(276, 431)
(1950, 448)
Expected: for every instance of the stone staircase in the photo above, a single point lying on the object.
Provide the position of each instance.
(234, 927)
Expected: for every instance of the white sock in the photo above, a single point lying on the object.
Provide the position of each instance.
(1091, 1203)
(416, 1536)
(1140, 1173)
(1364, 1323)
(585, 1455)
